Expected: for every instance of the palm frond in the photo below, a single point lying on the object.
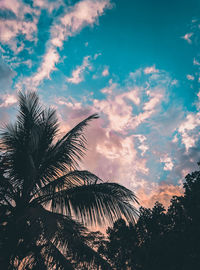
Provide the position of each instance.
(69, 236)
(65, 154)
(55, 259)
(30, 110)
(69, 180)
(94, 203)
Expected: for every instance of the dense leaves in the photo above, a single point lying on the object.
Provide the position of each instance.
(45, 200)
(167, 240)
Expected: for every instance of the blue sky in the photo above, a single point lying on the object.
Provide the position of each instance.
(136, 63)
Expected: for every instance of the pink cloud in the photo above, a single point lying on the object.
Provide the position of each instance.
(116, 151)
(11, 28)
(110, 155)
(8, 100)
(78, 73)
(105, 72)
(149, 70)
(187, 37)
(84, 13)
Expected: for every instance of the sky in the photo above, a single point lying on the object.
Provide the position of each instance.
(134, 62)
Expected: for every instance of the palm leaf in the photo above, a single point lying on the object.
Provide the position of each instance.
(69, 180)
(94, 203)
(66, 153)
(69, 236)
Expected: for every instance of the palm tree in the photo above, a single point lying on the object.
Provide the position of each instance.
(45, 201)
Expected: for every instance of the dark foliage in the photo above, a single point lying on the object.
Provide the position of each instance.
(167, 240)
(45, 201)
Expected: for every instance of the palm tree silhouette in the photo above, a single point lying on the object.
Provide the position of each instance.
(45, 201)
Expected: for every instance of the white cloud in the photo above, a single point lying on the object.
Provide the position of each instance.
(48, 5)
(84, 13)
(168, 164)
(175, 139)
(48, 65)
(190, 77)
(8, 100)
(11, 28)
(188, 131)
(155, 99)
(149, 70)
(49, 61)
(143, 146)
(78, 73)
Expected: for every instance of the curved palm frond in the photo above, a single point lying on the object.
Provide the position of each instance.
(94, 203)
(68, 236)
(69, 180)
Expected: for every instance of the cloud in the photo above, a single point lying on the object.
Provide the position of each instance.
(75, 18)
(7, 100)
(142, 143)
(189, 130)
(137, 141)
(162, 192)
(196, 62)
(48, 65)
(18, 25)
(118, 150)
(84, 13)
(168, 164)
(187, 37)
(48, 5)
(149, 70)
(78, 73)
(105, 72)
(110, 154)
(190, 77)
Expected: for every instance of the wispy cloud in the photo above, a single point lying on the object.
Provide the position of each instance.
(75, 18)
(78, 73)
(84, 13)
(7, 100)
(48, 65)
(187, 37)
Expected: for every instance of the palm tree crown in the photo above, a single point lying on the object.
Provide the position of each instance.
(45, 201)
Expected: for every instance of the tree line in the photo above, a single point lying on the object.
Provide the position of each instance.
(161, 239)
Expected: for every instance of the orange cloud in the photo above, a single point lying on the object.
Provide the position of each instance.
(161, 192)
